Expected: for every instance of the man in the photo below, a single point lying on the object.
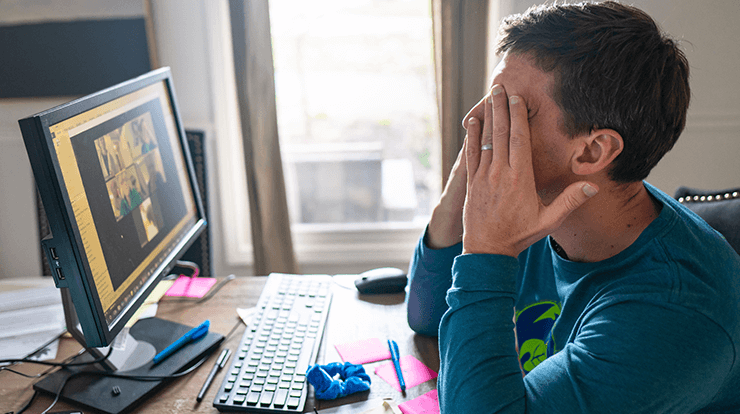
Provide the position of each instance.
(624, 301)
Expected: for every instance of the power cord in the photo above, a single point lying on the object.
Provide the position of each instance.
(25, 407)
(53, 365)
(31, 354)
(57, 364)
(131, 377)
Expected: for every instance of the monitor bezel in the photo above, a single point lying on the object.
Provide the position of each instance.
(66, 255)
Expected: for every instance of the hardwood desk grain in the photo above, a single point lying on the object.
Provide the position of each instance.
(352, 317)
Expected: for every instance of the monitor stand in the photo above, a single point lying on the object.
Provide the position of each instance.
(90, 388)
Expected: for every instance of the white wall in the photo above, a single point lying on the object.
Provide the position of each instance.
(708, 153)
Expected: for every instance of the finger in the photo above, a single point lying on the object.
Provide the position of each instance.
(500, 125)
(487, 134)
(472, 147)
(460, 161)
(520, 144)
(574, 196)
(476, 112)
(458, 172)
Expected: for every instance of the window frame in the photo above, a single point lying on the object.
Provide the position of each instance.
(319, 248)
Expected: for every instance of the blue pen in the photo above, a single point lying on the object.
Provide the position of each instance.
(192, 335)
(394, 356)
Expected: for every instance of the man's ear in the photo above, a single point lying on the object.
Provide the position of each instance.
(595, 151)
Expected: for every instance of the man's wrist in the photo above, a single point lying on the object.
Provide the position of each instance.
(487, 272)
(443, 231)
(492, 250)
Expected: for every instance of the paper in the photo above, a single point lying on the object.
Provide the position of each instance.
(149, 307)
(246, 314)
(425, 404)
(191, 287)
(364, 351)
(414, 372)
(19, 346)
(374, 406)
(31, 314)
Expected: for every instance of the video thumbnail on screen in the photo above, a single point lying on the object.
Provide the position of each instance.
(132, 166)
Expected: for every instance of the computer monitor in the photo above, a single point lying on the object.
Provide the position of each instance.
(117, 183)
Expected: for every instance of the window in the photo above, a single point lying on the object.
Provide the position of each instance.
(358, 125)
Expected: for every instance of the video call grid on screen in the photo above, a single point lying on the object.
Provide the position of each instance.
(135, 192)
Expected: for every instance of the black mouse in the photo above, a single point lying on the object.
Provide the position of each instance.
(382, 280)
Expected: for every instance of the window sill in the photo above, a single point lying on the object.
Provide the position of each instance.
(351, 244)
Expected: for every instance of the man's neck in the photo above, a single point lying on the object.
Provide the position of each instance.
(607, 224)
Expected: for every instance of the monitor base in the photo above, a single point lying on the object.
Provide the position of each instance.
(92, 389)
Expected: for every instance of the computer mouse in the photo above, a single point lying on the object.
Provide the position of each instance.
(382, 280)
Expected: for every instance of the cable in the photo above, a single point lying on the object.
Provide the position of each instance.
(238, 323)
(35, 393)
(58, 364)
(49, 342)
(34, 352)
(131, 377)
(192, 266)
(28, 404)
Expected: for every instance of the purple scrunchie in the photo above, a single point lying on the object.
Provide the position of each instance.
(353, 379)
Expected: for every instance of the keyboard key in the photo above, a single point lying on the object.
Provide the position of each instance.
(266, 398)
(280, 397)
(294, 402)
(305, 358)
(253, 398)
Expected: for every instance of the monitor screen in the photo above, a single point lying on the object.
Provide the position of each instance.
(114, 174)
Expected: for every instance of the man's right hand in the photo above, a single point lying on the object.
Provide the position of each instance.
(446, 226)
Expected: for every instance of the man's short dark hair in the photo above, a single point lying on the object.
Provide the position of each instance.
(613, 68)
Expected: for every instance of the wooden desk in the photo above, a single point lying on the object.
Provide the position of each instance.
(352, 317)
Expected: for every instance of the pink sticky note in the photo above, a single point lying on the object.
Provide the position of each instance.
(425, 404)
(364, 351)
(195, 287)
(414, 372)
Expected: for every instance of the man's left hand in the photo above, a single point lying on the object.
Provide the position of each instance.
(503, 213)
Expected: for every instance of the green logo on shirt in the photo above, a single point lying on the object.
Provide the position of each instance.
(534, 333)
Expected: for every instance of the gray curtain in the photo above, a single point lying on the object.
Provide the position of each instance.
(273, 246)
(461, 29)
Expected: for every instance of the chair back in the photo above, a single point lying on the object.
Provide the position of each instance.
(720, 209)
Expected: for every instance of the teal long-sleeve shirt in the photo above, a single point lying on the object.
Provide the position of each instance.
(653, 329)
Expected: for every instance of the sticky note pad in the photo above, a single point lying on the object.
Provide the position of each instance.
(364, 351)
(414, 372)
(150, 304)
(425, 404)
(191, 287)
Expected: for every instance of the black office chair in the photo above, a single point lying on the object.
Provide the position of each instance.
(720, 209)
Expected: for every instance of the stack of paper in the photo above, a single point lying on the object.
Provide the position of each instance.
(31, 314)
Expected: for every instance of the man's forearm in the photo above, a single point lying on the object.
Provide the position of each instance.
(479, 366)
(430, 275)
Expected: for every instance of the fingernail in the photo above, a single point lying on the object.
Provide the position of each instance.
(497, 90)
(514, 100)
(472, 121)
(589, 190)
